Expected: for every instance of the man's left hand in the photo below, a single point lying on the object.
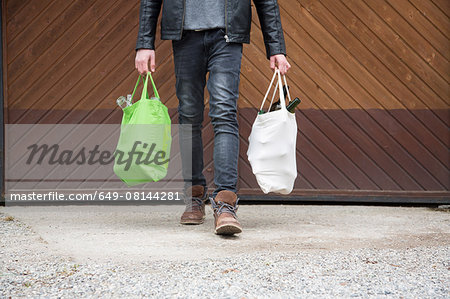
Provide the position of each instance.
(279, 61)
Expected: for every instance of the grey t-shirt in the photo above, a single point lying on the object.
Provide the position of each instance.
(204, 14)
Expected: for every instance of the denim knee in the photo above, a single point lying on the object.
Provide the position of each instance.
(190, 119)
(225, 123)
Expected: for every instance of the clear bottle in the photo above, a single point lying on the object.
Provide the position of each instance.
(122, 102)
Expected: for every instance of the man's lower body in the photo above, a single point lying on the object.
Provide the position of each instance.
(195, 55)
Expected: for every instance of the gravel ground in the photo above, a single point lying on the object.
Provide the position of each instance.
(30, 268)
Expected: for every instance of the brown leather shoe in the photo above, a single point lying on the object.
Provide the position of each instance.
(195, 198)
(225, 207)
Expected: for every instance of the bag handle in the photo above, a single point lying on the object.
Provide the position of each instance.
(278, 85)
(155, 92)
(144, 90)
(135, 87)
(287, 89)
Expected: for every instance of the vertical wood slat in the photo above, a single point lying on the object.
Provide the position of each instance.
(373, 77)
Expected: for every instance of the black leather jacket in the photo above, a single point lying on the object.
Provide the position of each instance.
(238, 18)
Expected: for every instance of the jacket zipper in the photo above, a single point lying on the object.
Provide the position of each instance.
(226, 23)
(182, 19)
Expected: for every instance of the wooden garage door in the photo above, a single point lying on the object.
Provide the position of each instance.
(373, 76)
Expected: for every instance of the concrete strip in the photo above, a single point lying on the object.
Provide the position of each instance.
(145, 233)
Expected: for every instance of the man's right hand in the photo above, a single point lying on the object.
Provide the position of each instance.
(143, 56)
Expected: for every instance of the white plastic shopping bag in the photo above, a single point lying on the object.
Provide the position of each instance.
(272, 145)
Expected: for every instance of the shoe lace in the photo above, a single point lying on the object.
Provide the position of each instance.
(221, 207)
(194, 203)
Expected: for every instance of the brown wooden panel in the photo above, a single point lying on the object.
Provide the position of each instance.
(400, 47)
(36, 62)
(102, 37)
(377, 59)
(15, 6)
(443, 5)
(22, 17)
(45, 39)
(412, 37)
(372, 75)
(423, 26)
(354, 89)
(43, 24)
(434, 14)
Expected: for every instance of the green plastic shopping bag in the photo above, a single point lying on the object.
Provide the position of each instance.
(143, 150)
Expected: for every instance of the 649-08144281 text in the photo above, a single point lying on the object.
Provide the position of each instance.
(96, 196)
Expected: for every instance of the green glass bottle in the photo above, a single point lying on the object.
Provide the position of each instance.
(291, 106)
